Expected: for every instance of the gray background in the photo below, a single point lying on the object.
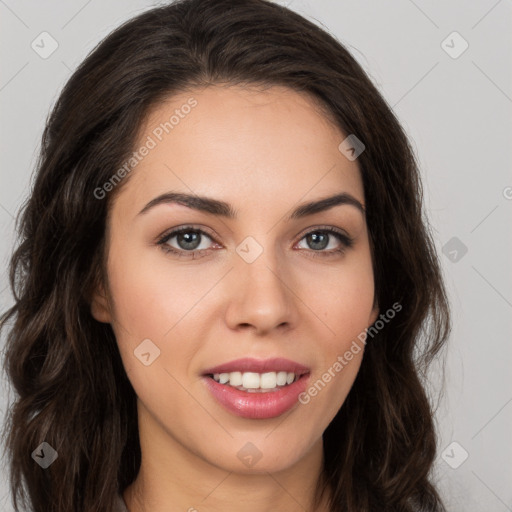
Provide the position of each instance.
(457, 111)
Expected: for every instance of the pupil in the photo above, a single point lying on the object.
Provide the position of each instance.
(190, 240)
(315, 238)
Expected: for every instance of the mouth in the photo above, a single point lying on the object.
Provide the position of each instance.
(257, 389)
(253, 382)
(256, 375)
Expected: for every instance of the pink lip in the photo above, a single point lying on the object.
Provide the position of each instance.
(247, 364)
(257, 405)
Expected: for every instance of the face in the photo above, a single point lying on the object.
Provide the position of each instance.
(232, 311)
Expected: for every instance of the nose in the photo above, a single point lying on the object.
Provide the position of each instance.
(261, 296)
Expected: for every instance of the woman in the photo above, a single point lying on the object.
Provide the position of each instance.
(222, 280)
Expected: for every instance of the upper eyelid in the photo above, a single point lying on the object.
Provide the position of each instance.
(174, 231)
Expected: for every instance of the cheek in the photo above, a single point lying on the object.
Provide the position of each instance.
(349, 311)
(346, 307)
(343, 299)
(151, 295)
(161, 302)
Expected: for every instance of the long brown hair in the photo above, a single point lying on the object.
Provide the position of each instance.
(72, 390)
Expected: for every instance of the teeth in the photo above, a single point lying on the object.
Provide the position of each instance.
(252, 381)
(235, 379)
(281, 378)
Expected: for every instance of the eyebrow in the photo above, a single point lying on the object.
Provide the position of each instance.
(223, 209)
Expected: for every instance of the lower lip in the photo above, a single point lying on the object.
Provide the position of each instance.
(257, 405)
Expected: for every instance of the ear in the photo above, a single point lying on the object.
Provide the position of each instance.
(100, 309)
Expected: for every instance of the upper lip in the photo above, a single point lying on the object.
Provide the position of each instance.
(247, 364)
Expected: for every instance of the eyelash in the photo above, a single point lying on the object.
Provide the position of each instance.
(346, 242)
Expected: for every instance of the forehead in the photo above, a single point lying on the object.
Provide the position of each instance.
(238, 143)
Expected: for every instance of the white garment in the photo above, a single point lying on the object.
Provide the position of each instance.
(120, 505)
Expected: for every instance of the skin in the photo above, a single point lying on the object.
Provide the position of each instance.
(264, 152)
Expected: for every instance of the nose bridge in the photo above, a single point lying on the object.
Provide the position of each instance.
(262, 295)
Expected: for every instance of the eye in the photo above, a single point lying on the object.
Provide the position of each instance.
(321, 238)
(189, 241)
